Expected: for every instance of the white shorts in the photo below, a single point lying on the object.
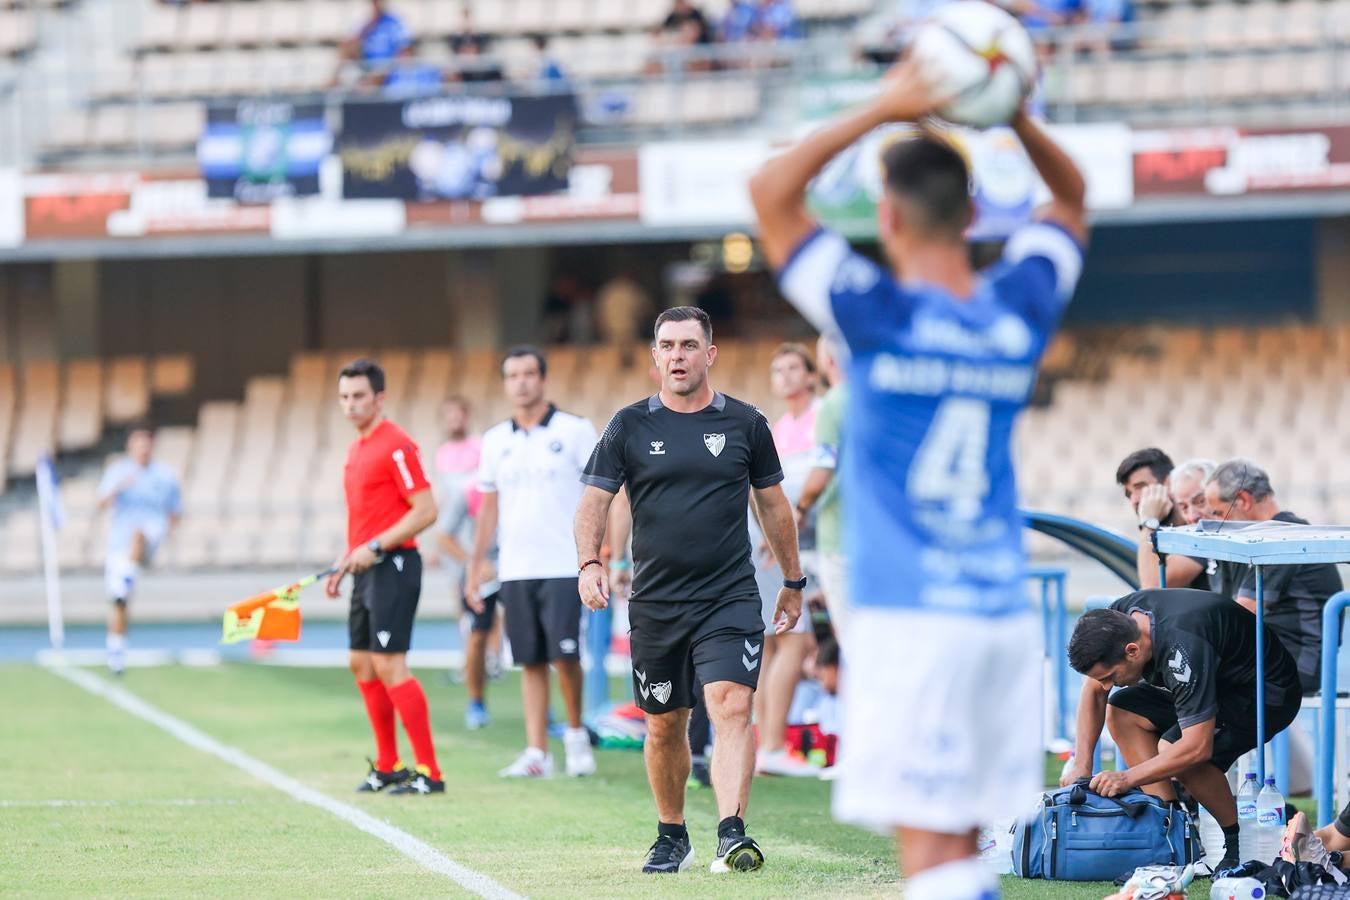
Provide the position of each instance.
(942, 720)
(834, 583)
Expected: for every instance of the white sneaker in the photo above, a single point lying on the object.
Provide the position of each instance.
(533, 763)
(580, 759)
(780, 762)
(830, 774)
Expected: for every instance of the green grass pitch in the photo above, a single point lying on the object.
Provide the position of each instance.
(99, 803)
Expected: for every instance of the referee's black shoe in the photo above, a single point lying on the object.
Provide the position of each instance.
(421, 782)
(737, 853)
(377, 781)
(668, 855)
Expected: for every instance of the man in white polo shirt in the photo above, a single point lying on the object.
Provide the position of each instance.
(530, 475)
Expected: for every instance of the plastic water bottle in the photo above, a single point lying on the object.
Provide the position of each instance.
(1246, 808)
(1269, 822)
(1211, 838)
(1237, 889)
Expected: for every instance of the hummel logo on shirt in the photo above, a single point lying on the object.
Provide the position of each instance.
(657, 449)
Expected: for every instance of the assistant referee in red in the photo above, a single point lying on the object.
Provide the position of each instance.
(388, 502)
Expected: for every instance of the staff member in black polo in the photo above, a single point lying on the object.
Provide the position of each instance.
(690, 458)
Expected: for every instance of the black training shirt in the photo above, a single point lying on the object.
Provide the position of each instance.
(689, 477)
(1204, 646)
(1294, 598)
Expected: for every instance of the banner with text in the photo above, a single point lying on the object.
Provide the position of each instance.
(457, 148)
(258, 151)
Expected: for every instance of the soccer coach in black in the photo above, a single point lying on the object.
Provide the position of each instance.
(689, 458)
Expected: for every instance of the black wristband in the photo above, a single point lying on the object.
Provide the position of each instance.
(799, 584)
(590, 562)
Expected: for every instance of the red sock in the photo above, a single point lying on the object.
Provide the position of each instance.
(381, 712)
(411, 702)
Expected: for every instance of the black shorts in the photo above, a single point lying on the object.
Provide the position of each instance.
(678, 644)
(543, 619)
(384, 602)
(482, 622)
(1234, 723)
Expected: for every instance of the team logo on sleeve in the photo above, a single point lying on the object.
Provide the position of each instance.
(715, 443)
(1180, 666)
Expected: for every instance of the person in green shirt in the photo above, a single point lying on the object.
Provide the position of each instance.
(822, 489)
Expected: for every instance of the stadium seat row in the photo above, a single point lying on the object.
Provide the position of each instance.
(261, 23)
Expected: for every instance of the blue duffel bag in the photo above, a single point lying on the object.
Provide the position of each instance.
(1076, 835)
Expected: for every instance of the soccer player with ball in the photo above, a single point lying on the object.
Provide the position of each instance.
(942, 679)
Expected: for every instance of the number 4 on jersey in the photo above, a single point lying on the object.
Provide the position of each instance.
(949, 467)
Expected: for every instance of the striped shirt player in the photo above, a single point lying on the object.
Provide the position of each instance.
(388, 502)
(944, 663)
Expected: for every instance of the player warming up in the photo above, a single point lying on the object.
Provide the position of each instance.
(944, 659)
(146, 503)
(388, 503)
(691, 460)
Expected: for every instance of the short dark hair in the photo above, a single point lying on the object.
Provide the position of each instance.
(526, 350)
(1100, 637)
(367, 368)
(684, 314)
(141, 425)
(457, 400)
(928, 172)
(1158, 462)
(792, 348)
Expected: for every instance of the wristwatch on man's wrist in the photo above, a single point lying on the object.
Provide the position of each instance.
(1151, 523)
(797, 585)
(374, 547)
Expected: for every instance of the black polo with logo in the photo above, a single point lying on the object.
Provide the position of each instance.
(688, 477)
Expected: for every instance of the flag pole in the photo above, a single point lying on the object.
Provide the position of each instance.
(51, 560)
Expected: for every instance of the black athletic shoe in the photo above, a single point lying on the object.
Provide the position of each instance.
(377, 781)
(420, 783)
(668, 856)
(737, 853)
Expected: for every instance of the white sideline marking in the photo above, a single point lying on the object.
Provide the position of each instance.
(418, 851)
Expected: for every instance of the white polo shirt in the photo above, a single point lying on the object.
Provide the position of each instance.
(536, 474)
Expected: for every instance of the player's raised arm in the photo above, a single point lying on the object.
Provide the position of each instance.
(1068, 190)
(778, 189)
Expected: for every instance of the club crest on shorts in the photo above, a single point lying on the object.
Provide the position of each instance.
(715, 443)
(661, 691)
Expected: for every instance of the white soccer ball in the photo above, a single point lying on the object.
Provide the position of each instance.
(979, 55)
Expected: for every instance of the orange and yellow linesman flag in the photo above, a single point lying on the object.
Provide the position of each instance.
(270, 616)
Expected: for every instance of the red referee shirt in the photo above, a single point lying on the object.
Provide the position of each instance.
(383, 470)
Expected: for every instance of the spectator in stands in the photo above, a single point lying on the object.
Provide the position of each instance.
(739, 22)
(623, 305)
(409, 76)
(1110, 20)
(1240, 491)
(1143, 476)
(776, 20)
(683, 28)
(792, 374)
(546, 66)
(381, 40)
(470, 48)
(1038, 15)
(146, 504)
(685, 25)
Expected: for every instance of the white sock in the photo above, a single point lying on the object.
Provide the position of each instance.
(536, 754)
(117, 641)
(573, 732)
(965, 879)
